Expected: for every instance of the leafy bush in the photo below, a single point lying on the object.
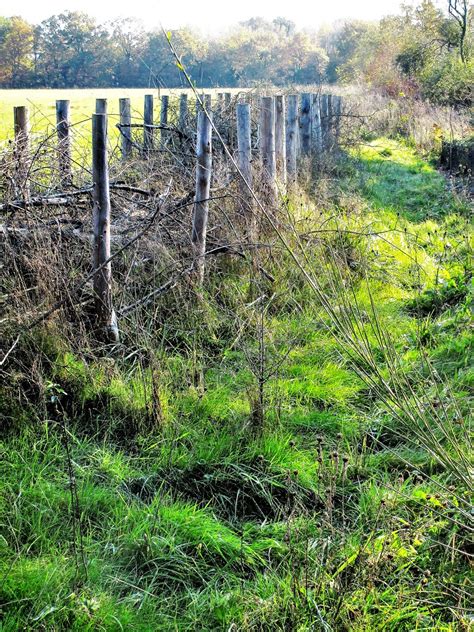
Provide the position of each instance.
(449, 83)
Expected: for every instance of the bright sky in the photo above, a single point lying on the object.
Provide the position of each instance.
(207, 15)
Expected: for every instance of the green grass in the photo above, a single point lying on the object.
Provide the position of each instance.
(398, 180)
(327, 518)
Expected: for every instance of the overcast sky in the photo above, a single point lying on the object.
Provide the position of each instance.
(208, 16)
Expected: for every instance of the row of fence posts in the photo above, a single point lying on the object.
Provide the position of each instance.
(289, 128)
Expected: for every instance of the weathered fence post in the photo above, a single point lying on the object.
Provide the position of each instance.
(292, 136)
(198, 107)
(305, 123)
(101, 106)
(125, 128)
(330, 132)
(280, 137)
(219, 114)
(63, 124)
(338, 117)
(267, 146)
(22, 149)
(324, 121)
(183, 111)
(148, 123)
(165, 101)
(106, 318)
(203, 187)
(229, 119)
(244, 161)
(316, 132)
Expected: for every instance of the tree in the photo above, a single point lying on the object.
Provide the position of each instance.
(302, 60)
(341, 45)
(159, 64)
(130, 41)
(282, 25)
(459, 11)
(74, 51)
(415, 52)
(256, 24)
(16, 52)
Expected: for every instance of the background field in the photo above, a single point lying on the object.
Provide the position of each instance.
(41, 104)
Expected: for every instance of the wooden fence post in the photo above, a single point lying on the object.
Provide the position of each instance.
(338, 116)
(267, 146)
(125, 128)
(292, 136)
(106, 318)
(63, 124)
(229, 120)
(330, 132)
(148, 123)
(165, 101)
(305, 123)
(280, 137)
(22, 150)
(183, 111)
(198, 106)
(219, 114)
(101, 106)
(203, 187)
(316, 132)
(324, 121)
(244, 161)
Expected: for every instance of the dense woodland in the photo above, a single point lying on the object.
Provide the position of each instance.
(422, 51)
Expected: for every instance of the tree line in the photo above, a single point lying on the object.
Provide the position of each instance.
(422, 51)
